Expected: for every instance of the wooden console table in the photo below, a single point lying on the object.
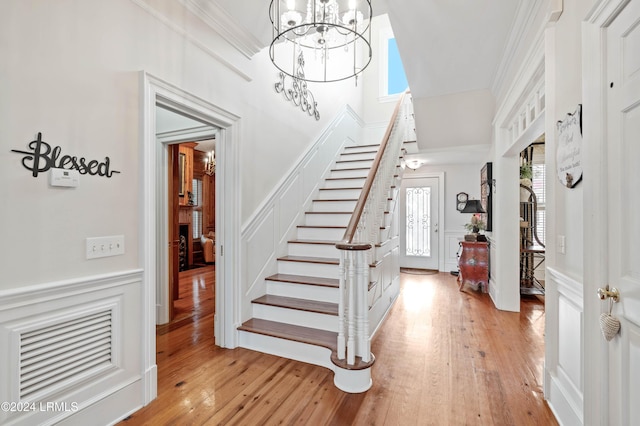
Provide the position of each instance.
(473, 264)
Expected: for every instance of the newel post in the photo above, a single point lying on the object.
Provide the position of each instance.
(353, 308)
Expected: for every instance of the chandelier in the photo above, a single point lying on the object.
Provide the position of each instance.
(334, 35)
(210, 163)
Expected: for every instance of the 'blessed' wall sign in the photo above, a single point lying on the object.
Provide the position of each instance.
(42, 157)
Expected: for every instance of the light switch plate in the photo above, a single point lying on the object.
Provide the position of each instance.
(562, 248)
(105, 246)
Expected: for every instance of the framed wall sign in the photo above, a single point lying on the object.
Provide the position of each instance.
(568, 153)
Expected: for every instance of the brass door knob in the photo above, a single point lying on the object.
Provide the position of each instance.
(606, 293)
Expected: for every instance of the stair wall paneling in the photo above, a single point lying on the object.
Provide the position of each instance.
(265, 236)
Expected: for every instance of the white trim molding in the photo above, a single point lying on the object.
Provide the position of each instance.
(214, 15)
(188, 36)
(564, 360)
(106, 387)
(596, 407)
(153, 228)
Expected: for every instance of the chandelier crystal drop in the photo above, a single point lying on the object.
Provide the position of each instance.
(335, 34)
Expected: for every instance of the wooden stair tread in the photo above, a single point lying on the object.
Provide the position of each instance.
(344, 178)
(324, 260)
(359, 152)
(334, 200)
(352, 168)
(355, 160)
(298, 304)
(338, 189)
(325, 226)
(296, 333)
(347, 212)
(327, 243)
(302, 279)
(362, 146)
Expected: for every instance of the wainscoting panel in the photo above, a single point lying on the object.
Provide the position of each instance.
(451, 246)
(564, 366)
(67, 345)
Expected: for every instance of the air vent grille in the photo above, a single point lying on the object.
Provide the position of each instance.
(64, 351)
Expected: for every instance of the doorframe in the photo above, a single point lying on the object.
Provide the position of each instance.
(594, 152)
(441, 218)
(153, 221)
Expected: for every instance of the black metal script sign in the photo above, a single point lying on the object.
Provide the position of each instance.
(42, 157)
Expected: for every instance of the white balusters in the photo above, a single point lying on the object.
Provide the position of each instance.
(361, 236)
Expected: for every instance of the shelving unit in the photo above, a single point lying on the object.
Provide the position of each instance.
(532, 250)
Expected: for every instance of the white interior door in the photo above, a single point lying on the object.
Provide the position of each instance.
(419, 220)
(623, 145)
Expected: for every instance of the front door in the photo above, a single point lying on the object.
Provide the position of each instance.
(623, 148)
(419, 215)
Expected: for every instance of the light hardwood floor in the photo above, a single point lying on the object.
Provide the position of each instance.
(443, 357)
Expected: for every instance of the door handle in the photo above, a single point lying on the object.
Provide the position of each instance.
(606, 293)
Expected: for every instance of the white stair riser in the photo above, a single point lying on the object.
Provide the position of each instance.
(321, 234)
(356, 164)
(313, 250)
(349, 173)
(334, 206)
(344, 183)
(357, 156)
(284, 348)
(339, 194)
(303, 291)
(352, 149)
(308, 269)
(326, 219)
(296, 317)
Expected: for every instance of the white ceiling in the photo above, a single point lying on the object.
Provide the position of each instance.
(447, 46)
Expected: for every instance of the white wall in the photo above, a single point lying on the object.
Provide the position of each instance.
(459, 119)
(565, 356)
(71, 70)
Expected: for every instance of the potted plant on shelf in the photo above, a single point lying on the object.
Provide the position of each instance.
(526, 174)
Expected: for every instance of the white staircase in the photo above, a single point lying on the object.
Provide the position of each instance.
(297, 318)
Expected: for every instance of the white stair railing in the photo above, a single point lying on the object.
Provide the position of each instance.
(363, 233)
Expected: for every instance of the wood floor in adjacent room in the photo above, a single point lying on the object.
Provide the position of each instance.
(442, 358)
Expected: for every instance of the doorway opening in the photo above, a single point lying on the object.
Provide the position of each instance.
(189, 146)
(532, 218)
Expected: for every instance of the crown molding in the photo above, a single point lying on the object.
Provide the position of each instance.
(181, 31)
(214, 15)
(524, 20)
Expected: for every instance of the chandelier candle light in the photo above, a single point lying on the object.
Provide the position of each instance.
(210, 163)
(334, 36)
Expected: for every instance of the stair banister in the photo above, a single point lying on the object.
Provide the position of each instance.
(361, 235)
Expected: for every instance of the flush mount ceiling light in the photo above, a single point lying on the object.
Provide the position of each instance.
(334, 36)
